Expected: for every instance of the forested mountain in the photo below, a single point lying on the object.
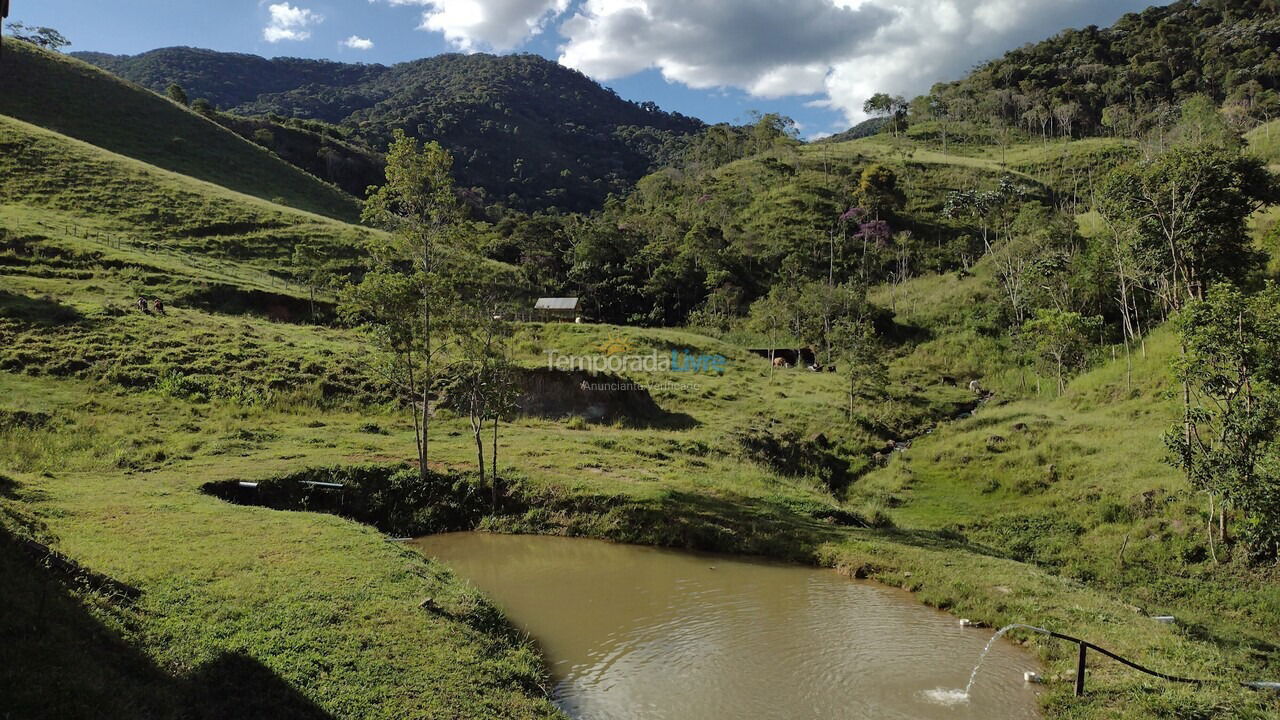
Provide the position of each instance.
(526, 131)
(1129, 77)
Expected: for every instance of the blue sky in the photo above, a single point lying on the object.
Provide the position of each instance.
(814, 60)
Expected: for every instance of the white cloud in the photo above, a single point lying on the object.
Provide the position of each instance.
(766, 47)
(845, 50)
(289, 22)
(355, 42)
(473, 25)
(842, 51)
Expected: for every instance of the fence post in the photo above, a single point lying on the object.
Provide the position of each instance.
(1080, 671)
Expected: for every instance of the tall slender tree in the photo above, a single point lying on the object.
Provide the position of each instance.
(404, 298)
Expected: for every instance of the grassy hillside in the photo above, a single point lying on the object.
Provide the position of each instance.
(206, 395)
(318, 148)
(1264, 141)
(68, 96)
(1043, 481)
(67, 182)
(1031, 507)
(118, 483)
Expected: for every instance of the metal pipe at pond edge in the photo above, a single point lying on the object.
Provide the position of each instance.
(1085, 646)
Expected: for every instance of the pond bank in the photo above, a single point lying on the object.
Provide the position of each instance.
(943, 571)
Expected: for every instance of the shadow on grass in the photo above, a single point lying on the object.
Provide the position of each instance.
(58, 660)
(1244, 641)
(941, 540)
(666, 420)
(44, 312)
(231, 300)
(702, 522)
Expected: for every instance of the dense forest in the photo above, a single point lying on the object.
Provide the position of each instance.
(525, 132)
(1129, 77)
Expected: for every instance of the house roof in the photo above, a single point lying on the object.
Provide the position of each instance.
(556, 304)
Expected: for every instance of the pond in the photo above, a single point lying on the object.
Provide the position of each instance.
(640, 632)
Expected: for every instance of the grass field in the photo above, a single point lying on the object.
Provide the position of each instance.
(112, 421)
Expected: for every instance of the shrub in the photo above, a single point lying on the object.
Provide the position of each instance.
(392, 498)
(787, 453)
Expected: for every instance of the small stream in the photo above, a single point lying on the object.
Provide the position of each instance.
(647, 633)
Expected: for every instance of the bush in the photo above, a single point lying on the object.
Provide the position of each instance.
(392, 498)
(787, 453)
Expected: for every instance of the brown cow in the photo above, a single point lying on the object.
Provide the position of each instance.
(779, 362)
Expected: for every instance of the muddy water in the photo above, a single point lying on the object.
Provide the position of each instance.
(636, 632)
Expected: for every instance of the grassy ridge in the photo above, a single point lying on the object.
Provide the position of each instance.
(107, 192)
(74, 98)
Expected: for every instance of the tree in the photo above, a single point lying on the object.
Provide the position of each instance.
(203, 106)
(771, 130)
(175, 93)
(820, 308)
(906, 248)
(1200, 122)
(315, 266)
(484, 370)
(875, 236)
(861, 353)
(879, 104)
(45, 37)
(878, 191)
(1062, 339)
(1032, 263)
(1189, 206)
(893, 108)
(264, 137)
(1066, 115)
(771, 315)
(992, 209)
(404, 298)
(1226, 441)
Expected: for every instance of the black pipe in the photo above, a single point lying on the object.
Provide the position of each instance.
(1087, 645)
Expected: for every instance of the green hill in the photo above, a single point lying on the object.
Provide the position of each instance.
(73, 98)
(531, 133)
(689, 237)
(1043, 504)
(52, 179)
